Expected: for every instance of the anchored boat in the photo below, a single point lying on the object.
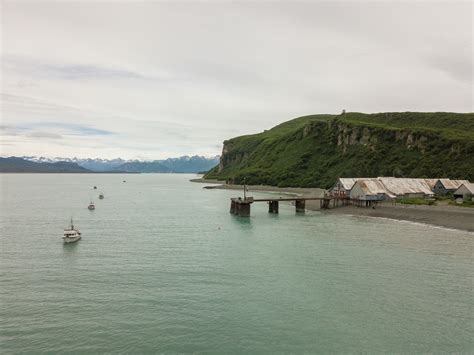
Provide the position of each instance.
(71, 234)
(91, 206)
(101, 196)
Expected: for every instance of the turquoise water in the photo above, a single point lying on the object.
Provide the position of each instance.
(164, 267)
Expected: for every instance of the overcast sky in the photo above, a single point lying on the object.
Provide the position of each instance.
(159, 79)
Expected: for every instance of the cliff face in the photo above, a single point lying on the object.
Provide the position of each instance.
(349, 135)
(315, 150)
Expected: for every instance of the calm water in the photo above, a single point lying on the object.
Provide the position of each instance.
(163, 266)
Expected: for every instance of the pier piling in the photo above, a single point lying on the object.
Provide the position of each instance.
(300, 205)
(273, 206)
(241, 207)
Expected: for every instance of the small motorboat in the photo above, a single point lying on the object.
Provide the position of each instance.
(71, 234)
(101, 196)
(91, 206)
(95, 187)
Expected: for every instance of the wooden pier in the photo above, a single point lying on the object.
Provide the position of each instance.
(241, 206)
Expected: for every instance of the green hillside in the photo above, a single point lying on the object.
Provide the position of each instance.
(312, 151)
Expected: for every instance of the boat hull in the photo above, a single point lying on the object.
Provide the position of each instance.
(71, 239)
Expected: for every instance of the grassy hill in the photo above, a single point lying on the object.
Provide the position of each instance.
(312, 151)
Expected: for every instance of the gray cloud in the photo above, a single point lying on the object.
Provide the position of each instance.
(45, 135)
(67, 71)
(171, 78)
(8, 131)
(74, 128)
(459, 68)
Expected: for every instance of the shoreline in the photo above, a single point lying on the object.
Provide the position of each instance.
(438, 216)
(295, 191)
(445, 216)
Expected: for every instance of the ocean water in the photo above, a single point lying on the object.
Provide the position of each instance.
(164, 267)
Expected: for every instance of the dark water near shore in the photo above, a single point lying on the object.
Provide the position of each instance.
(163, 267)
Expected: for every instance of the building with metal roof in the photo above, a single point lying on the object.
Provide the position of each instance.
(465, 192)
(370, 189)
(343, 186)
(382, 188)
(407, 187)
(445, 186)
(431, 183)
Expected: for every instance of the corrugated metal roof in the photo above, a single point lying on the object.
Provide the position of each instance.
(431, 182)
(403, 186)
(393, 187)
(347, 183)
(373, 186)
(452, 184)
(469, 186)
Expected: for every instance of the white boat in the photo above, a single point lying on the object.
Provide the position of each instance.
(71, 234)
(91, 206)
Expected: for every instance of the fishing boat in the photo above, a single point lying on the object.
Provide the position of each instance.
(91, 206)
(71, 234)
(101, 196)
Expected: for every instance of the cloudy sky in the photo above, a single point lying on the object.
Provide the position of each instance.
(159, 79)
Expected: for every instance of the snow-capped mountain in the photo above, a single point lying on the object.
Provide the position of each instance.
(184, 164)
(96, 164)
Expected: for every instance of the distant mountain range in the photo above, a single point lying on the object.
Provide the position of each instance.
(33, 164)
(20, 165)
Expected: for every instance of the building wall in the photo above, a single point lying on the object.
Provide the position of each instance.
(468, 197)
(439, 189)
(336, 188)
(463, 193)
(339, 190)
(358, 193)
(415, 195)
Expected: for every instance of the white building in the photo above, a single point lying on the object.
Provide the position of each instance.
(343, 186)
(465, 191)
(407, 187)
(371, 189)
